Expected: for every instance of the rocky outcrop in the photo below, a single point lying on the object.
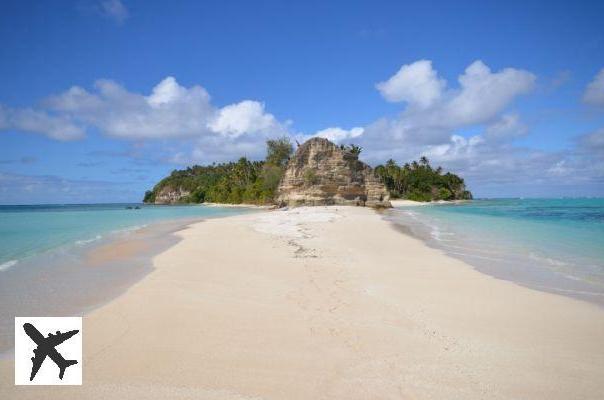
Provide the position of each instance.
(170, 195)
(322, 173)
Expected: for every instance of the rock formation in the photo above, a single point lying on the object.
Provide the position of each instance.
(322, 173)
(170, 195)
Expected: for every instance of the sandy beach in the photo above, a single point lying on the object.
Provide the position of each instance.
(328, 303)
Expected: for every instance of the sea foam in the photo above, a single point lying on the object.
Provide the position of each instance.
(6, 265)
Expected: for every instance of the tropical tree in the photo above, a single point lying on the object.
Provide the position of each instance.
(354, 149)
(419, 181)
(278, 151)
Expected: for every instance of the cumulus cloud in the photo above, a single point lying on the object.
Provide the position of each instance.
(483, 94)
(417, 84)
(169, 91)
(36, 121)
(115, 10)
(337, 134)
(170, 111)
(594, 92)
(434, 111)
(437, 118)
(244, 117)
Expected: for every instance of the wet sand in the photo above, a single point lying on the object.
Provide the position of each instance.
(76, 282)
(329, 303)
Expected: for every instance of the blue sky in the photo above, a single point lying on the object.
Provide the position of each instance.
(100, 99)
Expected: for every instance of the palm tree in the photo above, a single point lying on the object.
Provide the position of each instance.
(354, 149)
(423, 160)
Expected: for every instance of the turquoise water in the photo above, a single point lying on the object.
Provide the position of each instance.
(29, 231)
(45, 251)
(551, 244)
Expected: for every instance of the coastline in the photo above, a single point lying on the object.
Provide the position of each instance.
(76, 278)
(329, 302)
(87, 279)
(511, 258)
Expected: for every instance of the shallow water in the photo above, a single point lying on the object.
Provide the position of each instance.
(70, 259)
(31, 230)
(555, 245)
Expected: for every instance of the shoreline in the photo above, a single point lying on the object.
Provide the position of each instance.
(515, 268)
(535, 278)
(329, 302)
(75, 279)
(101, 272)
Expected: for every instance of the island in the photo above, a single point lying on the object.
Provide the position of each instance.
(320, 172)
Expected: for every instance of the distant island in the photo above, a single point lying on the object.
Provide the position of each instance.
(318, 173)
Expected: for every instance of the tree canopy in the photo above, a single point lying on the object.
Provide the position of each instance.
(256, 182)
(278, 151)
(419, 181)
(243, 181)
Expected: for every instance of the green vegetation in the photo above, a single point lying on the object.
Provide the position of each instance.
(353, 148)
(310, 177)
(243, 181)
(256, 182)
(420, 182)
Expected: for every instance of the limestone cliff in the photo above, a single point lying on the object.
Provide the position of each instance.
(322, 173)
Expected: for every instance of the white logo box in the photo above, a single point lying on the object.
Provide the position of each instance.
(70, 349)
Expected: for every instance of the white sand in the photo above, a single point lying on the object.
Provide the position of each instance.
(329, 303)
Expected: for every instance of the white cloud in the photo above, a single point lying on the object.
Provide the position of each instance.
(337, 134)
(483, 162)
(417, 84)
(168, 91)
(481, 98)
(170, 111)
(507, 127)
(483, 94)
(457, 148)
(432, 125)
(559, 169)
(245, 117)
(115, 10)
(594, 92)
(55, 127)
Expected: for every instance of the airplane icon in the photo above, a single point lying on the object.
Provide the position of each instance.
(46, 347)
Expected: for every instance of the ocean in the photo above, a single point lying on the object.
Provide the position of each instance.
(63, 260)
(556, 245)
(32, 230)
